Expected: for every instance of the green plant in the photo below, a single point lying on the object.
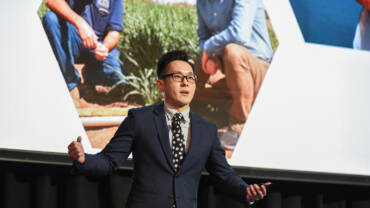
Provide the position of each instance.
(142, 85)
(151, 30)
(43, 9)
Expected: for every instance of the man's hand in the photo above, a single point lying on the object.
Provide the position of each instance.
(257, 192)
(217, 76)
(101, 52)
(365, 3)
(76, 151)
(87, 34)
(204, 61)
(210, 65)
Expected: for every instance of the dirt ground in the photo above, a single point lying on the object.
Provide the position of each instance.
(100, 137)
(100, 101)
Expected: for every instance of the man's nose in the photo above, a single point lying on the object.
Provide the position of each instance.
(185, 81)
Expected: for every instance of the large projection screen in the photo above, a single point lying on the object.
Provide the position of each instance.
(311, 114)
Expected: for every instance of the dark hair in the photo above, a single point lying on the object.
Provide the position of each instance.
(167, 58)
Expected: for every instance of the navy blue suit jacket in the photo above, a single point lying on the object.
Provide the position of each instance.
(155, 183)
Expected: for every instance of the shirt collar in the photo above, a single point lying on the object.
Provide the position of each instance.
(170, 112)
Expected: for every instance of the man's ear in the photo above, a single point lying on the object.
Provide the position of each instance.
(160, 85)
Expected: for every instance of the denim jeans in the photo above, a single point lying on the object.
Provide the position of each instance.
(69, 49)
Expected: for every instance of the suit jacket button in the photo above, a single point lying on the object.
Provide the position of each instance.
(171, 196)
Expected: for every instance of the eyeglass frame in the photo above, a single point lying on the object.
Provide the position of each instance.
(182, 78)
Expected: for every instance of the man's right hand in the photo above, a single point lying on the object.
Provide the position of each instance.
(210, 65)
(101, 52)
(87, 34)
(76, 151)
(217, 76)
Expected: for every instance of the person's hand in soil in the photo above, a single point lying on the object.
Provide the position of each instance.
(76, 151)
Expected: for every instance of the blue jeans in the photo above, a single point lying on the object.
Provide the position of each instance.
(69, 49)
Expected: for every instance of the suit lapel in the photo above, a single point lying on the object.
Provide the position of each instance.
(194, 140)
(162, 129)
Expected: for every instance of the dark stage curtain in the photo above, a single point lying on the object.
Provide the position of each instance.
(26, 185)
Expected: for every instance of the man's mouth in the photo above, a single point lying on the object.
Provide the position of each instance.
(184, 92)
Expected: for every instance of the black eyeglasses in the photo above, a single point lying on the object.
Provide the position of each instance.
(178, 77)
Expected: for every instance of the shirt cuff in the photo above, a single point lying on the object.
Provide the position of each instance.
(116, 27)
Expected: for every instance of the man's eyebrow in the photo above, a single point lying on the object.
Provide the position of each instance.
(178, 72)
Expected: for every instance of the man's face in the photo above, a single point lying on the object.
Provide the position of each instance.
(178, 93)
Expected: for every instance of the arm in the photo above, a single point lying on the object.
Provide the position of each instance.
(202, 31)
(218, 167)
(85, 31)
(110, 41)
(114, 27)
(112, 156)
(209, 65)
(230, 181)
(239, 29)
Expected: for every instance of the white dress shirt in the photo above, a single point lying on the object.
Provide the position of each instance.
(185, 124)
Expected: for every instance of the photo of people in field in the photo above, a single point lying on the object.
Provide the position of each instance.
(107, 51)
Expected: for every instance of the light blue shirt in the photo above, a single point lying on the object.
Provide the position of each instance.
(362, 35)
(233, 21)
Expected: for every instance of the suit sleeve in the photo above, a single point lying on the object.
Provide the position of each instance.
(113, 155)
(227, 178)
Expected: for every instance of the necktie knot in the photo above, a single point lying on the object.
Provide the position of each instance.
(177, 117)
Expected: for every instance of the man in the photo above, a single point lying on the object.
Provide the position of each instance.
(170, 146)
(236, 52)
(362, 35)
(86, 31)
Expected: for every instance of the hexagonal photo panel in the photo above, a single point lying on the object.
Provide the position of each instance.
(105, 88)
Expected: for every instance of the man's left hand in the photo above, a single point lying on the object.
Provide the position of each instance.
(101, 52)
(257, 192)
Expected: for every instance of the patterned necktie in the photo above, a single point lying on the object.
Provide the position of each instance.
(178, 142)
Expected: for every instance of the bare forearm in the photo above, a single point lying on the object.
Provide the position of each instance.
(111, 39)
(62, 8)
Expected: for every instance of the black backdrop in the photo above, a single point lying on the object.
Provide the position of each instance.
(38, 180)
